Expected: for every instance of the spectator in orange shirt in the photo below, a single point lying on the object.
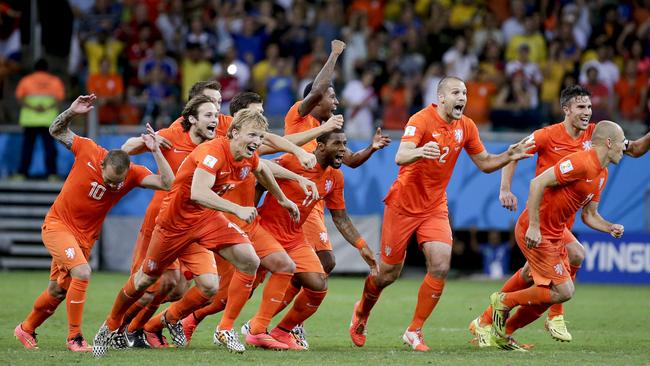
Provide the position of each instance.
(396, 99)
(480, 90)
(39, 95)
(109, 89)
(631, 92)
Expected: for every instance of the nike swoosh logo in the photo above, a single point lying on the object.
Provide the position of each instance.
(77, 302)
(223, 173)
(312, 306)
(558, 148)
(275, 300)
(589, 180)
(181, 151)
(129, 342)
(91, 166)
(249, 285)
(435, 134)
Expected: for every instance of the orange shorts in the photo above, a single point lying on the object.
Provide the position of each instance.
(140, 252)
(398, 228)
(263, 242)
(548, 262)
(315, 230)
(567, 237)
(67, 251)
(305, 258)
(193, 247)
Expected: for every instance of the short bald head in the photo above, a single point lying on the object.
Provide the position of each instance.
(609, 135)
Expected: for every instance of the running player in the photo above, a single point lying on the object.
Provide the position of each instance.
(97, 181)
(552, 143)
(417, 203)
(574, 182)
(191, 224)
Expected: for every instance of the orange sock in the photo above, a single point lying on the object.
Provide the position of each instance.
(145, 314)
(514, 283)
(260, 277)
(305, 306)
(43, 308)
(428, 296)
(75, 301)
(534, 295)
(154, 324)
(369, 297)
(217, 304)
(194, 299)
(524, 316)
(133, 311)
(289, 295)
(271, 300)
(239, 291)
(128, 296)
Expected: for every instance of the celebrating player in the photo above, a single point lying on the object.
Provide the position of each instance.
(417, 203)
(97, 181)
(574, 182)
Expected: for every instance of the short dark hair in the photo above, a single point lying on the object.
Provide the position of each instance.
(192, 109)
(41, 65)
(326, 136)
(118, 159)
(308, 88)
(200, 86)
(571, 92)
(243, 100)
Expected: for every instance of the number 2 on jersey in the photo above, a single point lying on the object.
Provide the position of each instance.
(444, 152)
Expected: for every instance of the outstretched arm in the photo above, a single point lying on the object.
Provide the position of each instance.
(278, 143)
(280, 172)
(591, 217)
(323, 80)
(351, 234)
(165, 178)
(638, 147)
(335, 122)
(265, 177)
(355, 159)
(201, 193)
(488, 163)
(60, 128)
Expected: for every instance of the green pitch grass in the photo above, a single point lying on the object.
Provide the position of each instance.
(610, 326)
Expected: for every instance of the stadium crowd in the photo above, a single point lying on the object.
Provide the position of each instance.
(140, 56)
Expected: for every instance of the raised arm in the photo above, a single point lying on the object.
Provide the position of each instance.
(537, 186)
(638, 147)
(488, 163)
(506, 197)
(591, 217)
(275, 143)
(323, 80)
(165, 178)
(265, 178)
(60, 128)
(409, 153)
(355, 159)
(334, 123)
(345, 226)
(202, 194)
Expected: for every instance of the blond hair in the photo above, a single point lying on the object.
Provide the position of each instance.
(248, 117)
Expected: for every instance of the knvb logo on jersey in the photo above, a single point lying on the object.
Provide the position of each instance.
(586, 145)
(323, 237)
(244, 172)
(328, 185)
(458, 135)
(559, 269)
(151, 264)
(69, 252)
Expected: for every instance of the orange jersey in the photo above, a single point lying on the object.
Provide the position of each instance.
(276, 219)
(552, 143)
(84, 201)
(178, 211)
(420, 186)
(294, 123)
(581, 179)
(242, 194)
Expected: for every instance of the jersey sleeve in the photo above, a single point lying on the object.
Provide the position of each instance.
(139, 173)
(540, 138)
(601, 186)
(570, 169)
(414, 130)
(210, 160)
(167, 133)
(473, 144)
(292, 121)
(83, 145)
(335, 199)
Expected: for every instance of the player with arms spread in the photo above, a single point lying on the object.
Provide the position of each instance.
(97, 181)
(417, 203)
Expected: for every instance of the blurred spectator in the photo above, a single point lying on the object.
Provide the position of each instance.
(197, 35)
(104, 15)
(530, 71)
(513, 106)
(265, 68)
(250, 42)
(10, 56)
(514, 25)
(600, 95)
(318, 54)
(480, 90)
(194, 67)
(280, 91)
(496, 255)
(608, 72)
(531, 37)
(458, 60)
(492, 62)
(233, 74)
(631, 92)
(109, 89)
(137, 52)
(328, 25)
(359, 100)
(489, 31)
(553, 70)
(430, 83)
(356, 38)
(157, 57)
(100, 46)
(169, 22)
(464, 14)
(396, 100)
(39, 95)
(157, 97)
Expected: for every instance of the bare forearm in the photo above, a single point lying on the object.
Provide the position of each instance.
(596, 222)
(494, 162)
(507, 173)
(345, 226)
(534, 200)
(302, 138)
(408, 156)
(265, 178)
(213, 201)
(355, 159)
(60, 130)
(279, 172)
(324, 77)
(166, 172)
(639, 147)
(134, 146)
(275, 143)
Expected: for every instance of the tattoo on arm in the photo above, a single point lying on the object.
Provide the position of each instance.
(59, 129)
(345, 226)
